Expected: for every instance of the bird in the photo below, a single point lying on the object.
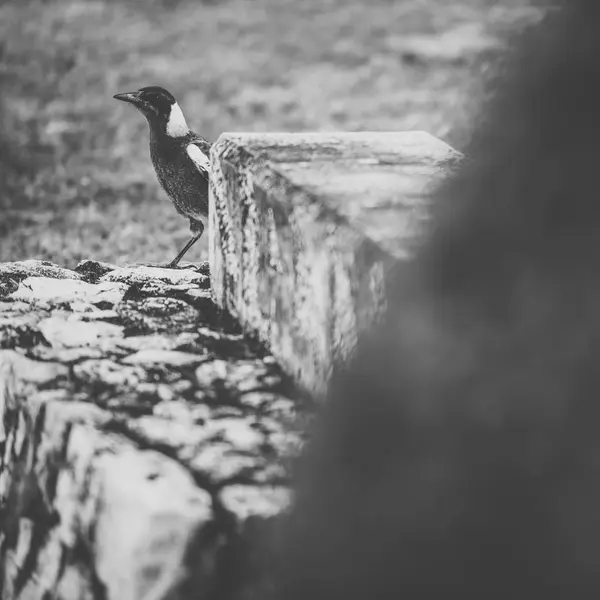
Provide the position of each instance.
(180, 157)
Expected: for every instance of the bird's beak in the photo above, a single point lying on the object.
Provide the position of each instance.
(131, 97)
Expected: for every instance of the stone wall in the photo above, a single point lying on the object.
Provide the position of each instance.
(145, 432)
(143, 438)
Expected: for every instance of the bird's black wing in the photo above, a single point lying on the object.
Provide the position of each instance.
(198, 149)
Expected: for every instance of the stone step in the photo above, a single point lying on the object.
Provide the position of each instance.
(143, 438)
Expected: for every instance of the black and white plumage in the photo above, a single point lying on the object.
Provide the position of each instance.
(179, 156)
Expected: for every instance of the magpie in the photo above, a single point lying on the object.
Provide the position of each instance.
(179, 157)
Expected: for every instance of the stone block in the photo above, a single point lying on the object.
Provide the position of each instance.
(303, 228)
(144, 443)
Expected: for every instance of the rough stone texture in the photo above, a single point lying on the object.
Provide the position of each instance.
(303, 228)
(143, 439)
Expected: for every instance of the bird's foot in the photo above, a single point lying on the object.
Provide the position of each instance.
(169, 265)
(174, 265)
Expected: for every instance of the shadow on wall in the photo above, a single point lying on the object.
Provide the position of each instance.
(459, 451)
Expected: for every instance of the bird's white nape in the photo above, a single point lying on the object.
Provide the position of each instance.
(177, 125)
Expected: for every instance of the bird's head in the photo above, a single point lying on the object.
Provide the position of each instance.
(160, 109)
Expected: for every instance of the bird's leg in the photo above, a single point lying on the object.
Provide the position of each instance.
(193, 240)
(197, 228)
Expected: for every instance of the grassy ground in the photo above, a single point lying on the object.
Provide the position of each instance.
(76, 177)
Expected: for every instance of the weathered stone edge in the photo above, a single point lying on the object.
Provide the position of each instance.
(234, 259)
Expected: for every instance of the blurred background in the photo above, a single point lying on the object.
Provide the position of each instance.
(75, 174)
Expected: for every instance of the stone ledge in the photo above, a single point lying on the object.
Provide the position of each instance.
(143, 440)
(303, 228)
